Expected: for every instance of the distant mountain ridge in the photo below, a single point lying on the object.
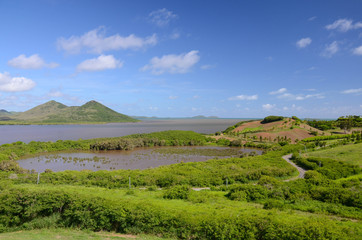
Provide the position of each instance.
(53, 112)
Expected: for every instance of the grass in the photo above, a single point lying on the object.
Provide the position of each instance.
(71, 234)
(346, 153)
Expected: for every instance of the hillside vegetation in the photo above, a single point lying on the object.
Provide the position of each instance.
(245, 197)
(273, 129)
(53, 112)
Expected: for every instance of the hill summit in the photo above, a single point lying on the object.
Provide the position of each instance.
(55, 112)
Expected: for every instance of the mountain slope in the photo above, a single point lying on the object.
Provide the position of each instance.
(41, 112)
(54, 112)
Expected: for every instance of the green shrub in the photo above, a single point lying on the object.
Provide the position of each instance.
(273, 203)
(270, 119)
(247, 192)
(177, 192)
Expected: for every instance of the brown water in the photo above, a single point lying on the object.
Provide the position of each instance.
(27, 133)
(141, 158)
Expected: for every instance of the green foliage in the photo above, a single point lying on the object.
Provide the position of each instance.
(330, 168)
(80, 208)
(296, 119)
(177, 192)
(231, 128)
(331, 137)
(247, 192)
(322, 125)
(347, 153)
(165, 138)
(270, 119)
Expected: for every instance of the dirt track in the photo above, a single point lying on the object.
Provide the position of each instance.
(300, 170)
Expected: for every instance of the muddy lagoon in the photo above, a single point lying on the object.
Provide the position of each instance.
(141, 158)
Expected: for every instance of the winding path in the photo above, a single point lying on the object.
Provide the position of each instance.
(300, 170)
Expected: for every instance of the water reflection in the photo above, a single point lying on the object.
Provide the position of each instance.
(141, 158)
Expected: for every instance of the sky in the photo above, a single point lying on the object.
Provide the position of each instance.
(231, 59)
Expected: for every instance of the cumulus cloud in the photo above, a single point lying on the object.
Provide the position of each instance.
(352, 91)
(15, 84)
(31, 62)
(344, 25)
(330, 49)
(358, 50)
(172, 63)
(162, 17)
(304, 42)
(95, 41)
(172, 97)
(268, 106)
(280, 91)
(244, 97)
(103, 62)
(300, 97)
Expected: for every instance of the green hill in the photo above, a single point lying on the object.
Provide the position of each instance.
(55, 112)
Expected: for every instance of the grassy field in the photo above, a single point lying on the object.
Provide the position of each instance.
(347, 153)
(69, 234)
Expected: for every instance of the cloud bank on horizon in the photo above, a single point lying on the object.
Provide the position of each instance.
(165, 59)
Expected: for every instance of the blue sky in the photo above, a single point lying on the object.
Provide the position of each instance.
(235, 59)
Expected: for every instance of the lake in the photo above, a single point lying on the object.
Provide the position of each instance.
(27, 133)
(140, 158)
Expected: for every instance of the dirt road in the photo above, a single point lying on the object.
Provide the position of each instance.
(300, 170)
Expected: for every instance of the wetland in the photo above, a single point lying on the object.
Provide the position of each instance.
(140, 158)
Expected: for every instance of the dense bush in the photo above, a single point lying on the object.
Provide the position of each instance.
(19, 207)
(270, 119)
(177, 192)
(165, 138)
(330, 168)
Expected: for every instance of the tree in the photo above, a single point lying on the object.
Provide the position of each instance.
(345, 123)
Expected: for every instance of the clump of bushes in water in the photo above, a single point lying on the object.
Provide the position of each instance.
(237, 170)
(270, 119)
(9, 153)
(165, 138)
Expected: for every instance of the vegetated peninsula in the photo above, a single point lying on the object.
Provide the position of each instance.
(53, 112)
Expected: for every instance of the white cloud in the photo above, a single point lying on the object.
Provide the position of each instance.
(358, 50)
(172, 63)
(15, 84)
(32, 62)
(344, 25)
(172, 97)
(95, 41)
(162, 17)
(304, 42)
(300, 97)
(268, 106)
(280, 91)
(330, 49)
(312, 18)
(244, 97)
(351, 91)
(103, 62)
